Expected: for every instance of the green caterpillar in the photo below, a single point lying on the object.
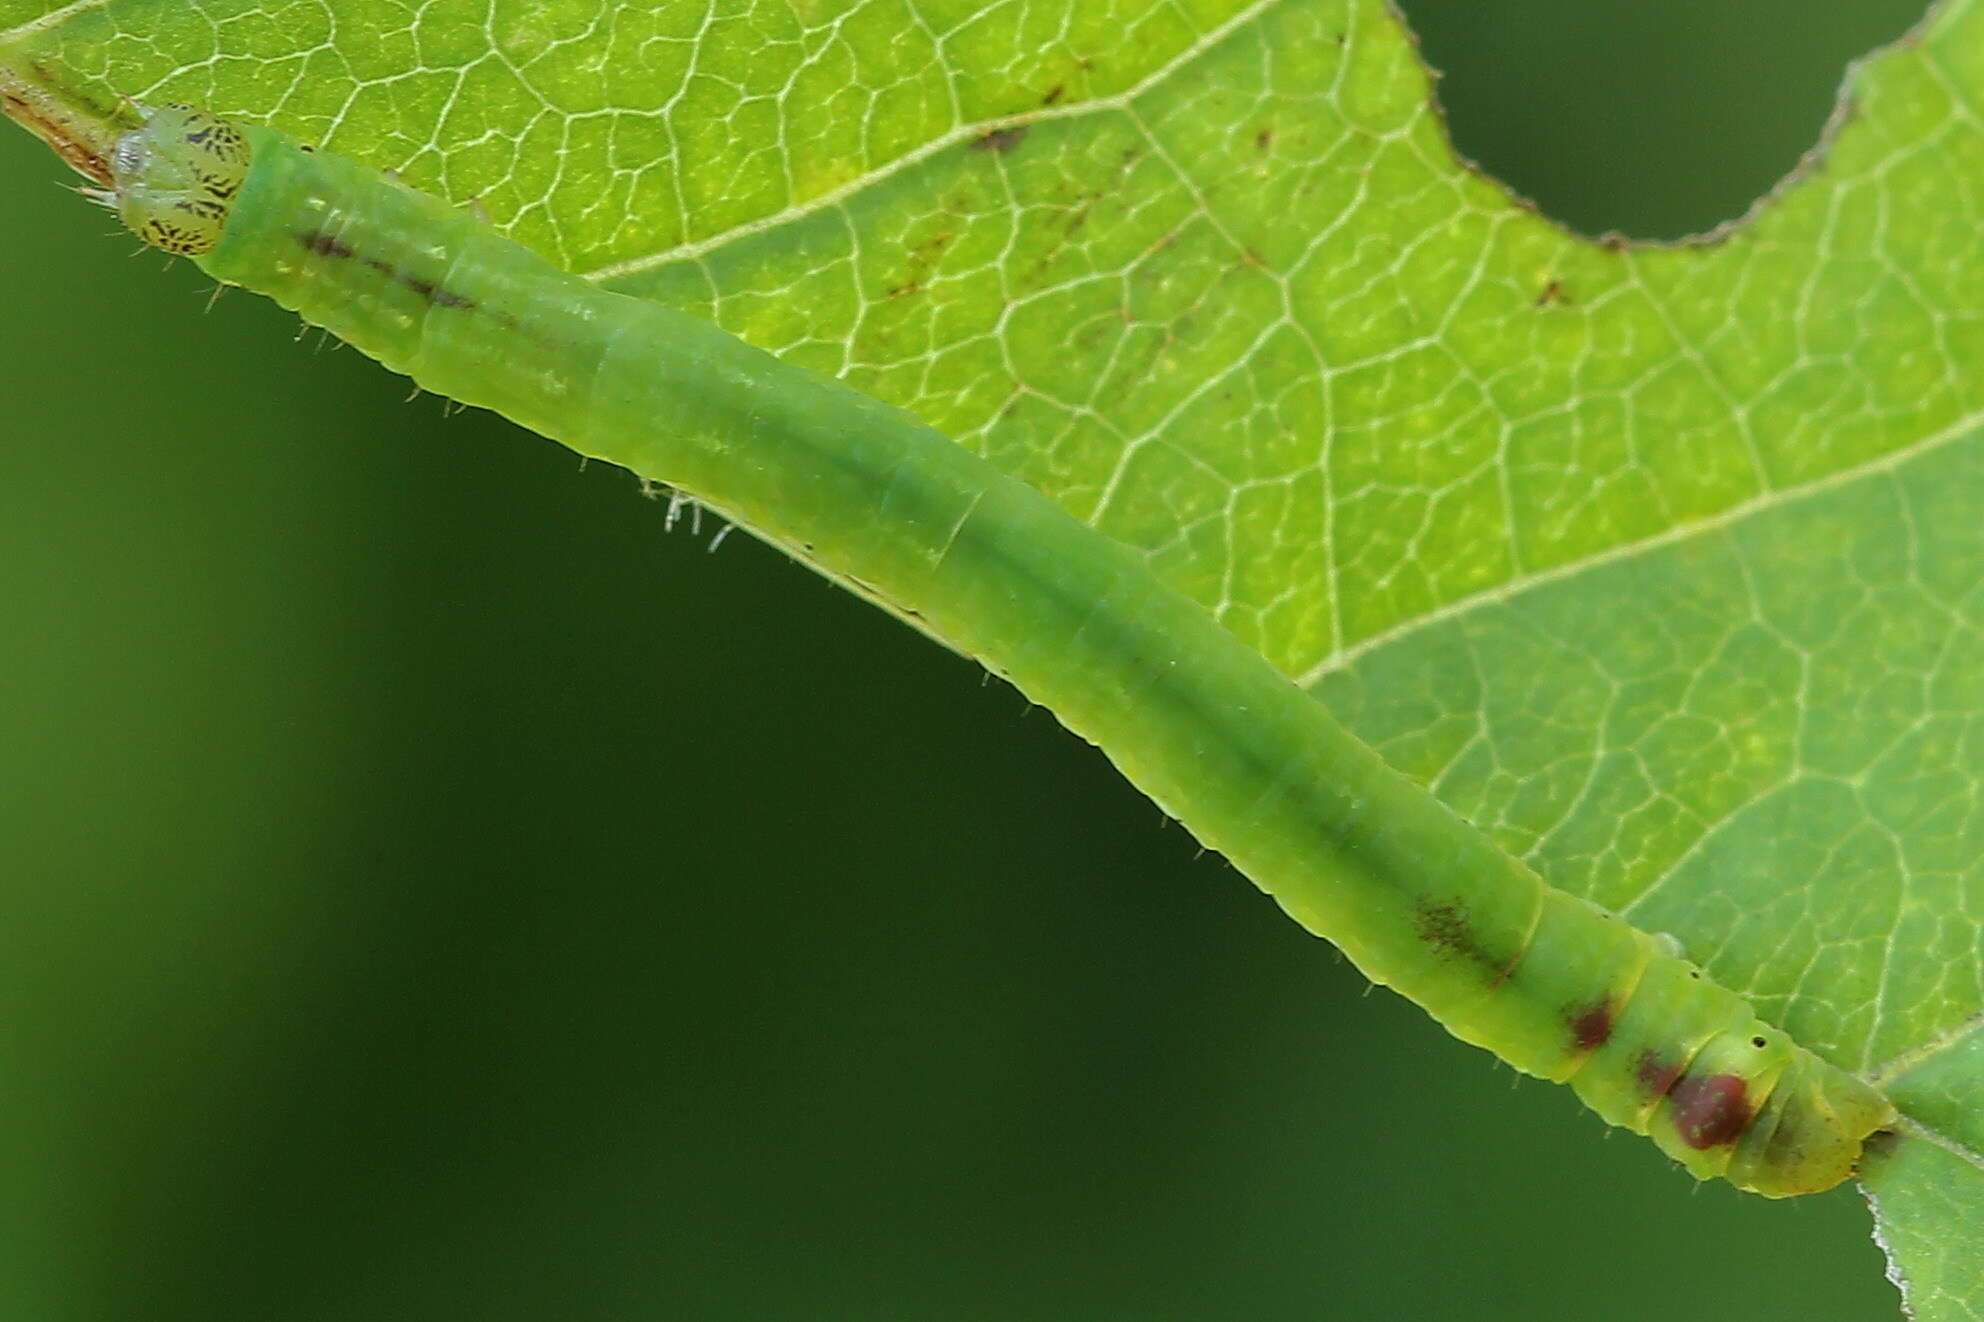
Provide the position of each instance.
(1255, 768)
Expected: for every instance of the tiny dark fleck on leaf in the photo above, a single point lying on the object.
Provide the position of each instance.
(1000, 140)
(1054, 94)
(1554, 295)
(1265, 138)
(1758, 1042)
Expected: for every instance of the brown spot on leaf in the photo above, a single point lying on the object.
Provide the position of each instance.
(1710, 1112)
(1554, 295)
(1054, 94)
(1000, 140)
(1265, 138)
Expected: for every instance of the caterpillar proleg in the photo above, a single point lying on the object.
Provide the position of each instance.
(1253, 766)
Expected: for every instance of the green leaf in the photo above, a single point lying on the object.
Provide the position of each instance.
(1659, 562)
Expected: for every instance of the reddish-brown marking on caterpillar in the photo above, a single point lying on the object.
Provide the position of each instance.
(330, 245)
(1710, 1112)
(1445, 928)
(1654, 1074)
(326, 245)
(1591, 1027)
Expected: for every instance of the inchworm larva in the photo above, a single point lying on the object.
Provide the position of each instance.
(1252, 765)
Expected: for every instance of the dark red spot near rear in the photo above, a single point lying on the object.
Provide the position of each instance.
(1710, 1112)
(1591, 1027)
(1655, 1075)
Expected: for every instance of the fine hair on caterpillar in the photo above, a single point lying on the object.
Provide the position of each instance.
(1254, 767)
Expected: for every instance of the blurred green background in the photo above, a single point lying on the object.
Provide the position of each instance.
(431, 891)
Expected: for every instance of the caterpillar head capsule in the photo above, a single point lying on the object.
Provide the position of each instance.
(174, 180)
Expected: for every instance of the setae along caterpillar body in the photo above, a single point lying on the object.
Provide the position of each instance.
(1253, 766)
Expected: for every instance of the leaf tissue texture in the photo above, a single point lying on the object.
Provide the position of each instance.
(1659, 562)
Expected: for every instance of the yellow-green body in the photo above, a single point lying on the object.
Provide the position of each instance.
(1254, 767)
